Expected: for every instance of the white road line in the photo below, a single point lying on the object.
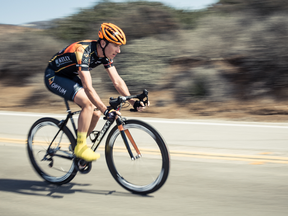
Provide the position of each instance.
(31, 114)
(163, 121)
(265, 125)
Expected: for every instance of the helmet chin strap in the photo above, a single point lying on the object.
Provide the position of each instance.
(103, 48)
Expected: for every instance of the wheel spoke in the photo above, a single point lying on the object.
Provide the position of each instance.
(149, 170)
(52, 160)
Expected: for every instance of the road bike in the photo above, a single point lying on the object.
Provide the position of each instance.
(135, 153)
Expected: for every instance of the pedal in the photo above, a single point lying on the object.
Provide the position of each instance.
(82, 166)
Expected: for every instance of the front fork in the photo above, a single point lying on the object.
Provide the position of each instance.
(124, 134)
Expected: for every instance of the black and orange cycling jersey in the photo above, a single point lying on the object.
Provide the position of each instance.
(79, 56)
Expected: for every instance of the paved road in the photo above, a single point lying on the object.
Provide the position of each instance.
(217, 168)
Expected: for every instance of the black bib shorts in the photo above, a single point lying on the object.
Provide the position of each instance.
(62, 86)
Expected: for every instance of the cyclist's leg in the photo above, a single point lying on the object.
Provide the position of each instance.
(71, 89)
(87, 107)
(84, 124)
(88, 117)
(95, 118)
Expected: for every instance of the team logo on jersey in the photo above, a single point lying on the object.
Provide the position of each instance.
(51, 80)
(58, 88)
(62, 60)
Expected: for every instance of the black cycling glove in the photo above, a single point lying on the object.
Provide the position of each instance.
(110, 114)
(136, 105)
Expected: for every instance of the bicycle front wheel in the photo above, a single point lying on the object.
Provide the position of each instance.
(148, 170)
(50, 151)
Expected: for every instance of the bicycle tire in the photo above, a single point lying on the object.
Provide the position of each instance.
(53, 168)
(140, 176)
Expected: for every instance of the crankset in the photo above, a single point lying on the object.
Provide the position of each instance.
(82, 166)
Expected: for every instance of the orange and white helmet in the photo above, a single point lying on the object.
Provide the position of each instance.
(112, 33)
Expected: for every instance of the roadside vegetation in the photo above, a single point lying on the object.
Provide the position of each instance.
(233, 50)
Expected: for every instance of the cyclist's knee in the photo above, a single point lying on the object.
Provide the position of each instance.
(89, 106)
(96, 115)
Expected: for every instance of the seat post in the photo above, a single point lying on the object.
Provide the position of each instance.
(67, 106)
(70, 114)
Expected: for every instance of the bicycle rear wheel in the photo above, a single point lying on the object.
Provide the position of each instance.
(148, 172)
(55, 165)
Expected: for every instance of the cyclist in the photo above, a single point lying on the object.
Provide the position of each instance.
(68, 75)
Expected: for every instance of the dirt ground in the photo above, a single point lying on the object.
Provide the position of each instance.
(15, 99)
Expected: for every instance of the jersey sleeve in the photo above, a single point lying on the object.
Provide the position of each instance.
(82, 58)
(107, 63)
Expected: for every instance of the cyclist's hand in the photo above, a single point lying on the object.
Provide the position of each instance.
(111, 114)
(140, 106)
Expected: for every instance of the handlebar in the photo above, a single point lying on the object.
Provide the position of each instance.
(115, 103)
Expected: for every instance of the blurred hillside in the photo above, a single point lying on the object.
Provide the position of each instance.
(228, 61)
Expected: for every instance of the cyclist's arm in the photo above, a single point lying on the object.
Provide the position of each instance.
(90, 91)
(120, 85)
(83, 59)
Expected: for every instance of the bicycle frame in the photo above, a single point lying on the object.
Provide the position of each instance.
(124, 141)
(70, 115)
(100, 135)
(117, 104)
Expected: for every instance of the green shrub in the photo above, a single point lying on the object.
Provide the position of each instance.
(137, 19)
(252, 37)
(259, 42)
(260, 7)
(199, 87)
(25, 55)
(143, 64)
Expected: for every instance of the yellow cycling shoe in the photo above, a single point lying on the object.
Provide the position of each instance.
(85, 153)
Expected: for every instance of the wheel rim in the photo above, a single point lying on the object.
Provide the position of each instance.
(143, 174)
(38, 142)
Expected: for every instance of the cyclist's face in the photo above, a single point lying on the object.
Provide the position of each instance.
(112, 50)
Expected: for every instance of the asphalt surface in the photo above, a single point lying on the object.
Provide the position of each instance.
(217, 168)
